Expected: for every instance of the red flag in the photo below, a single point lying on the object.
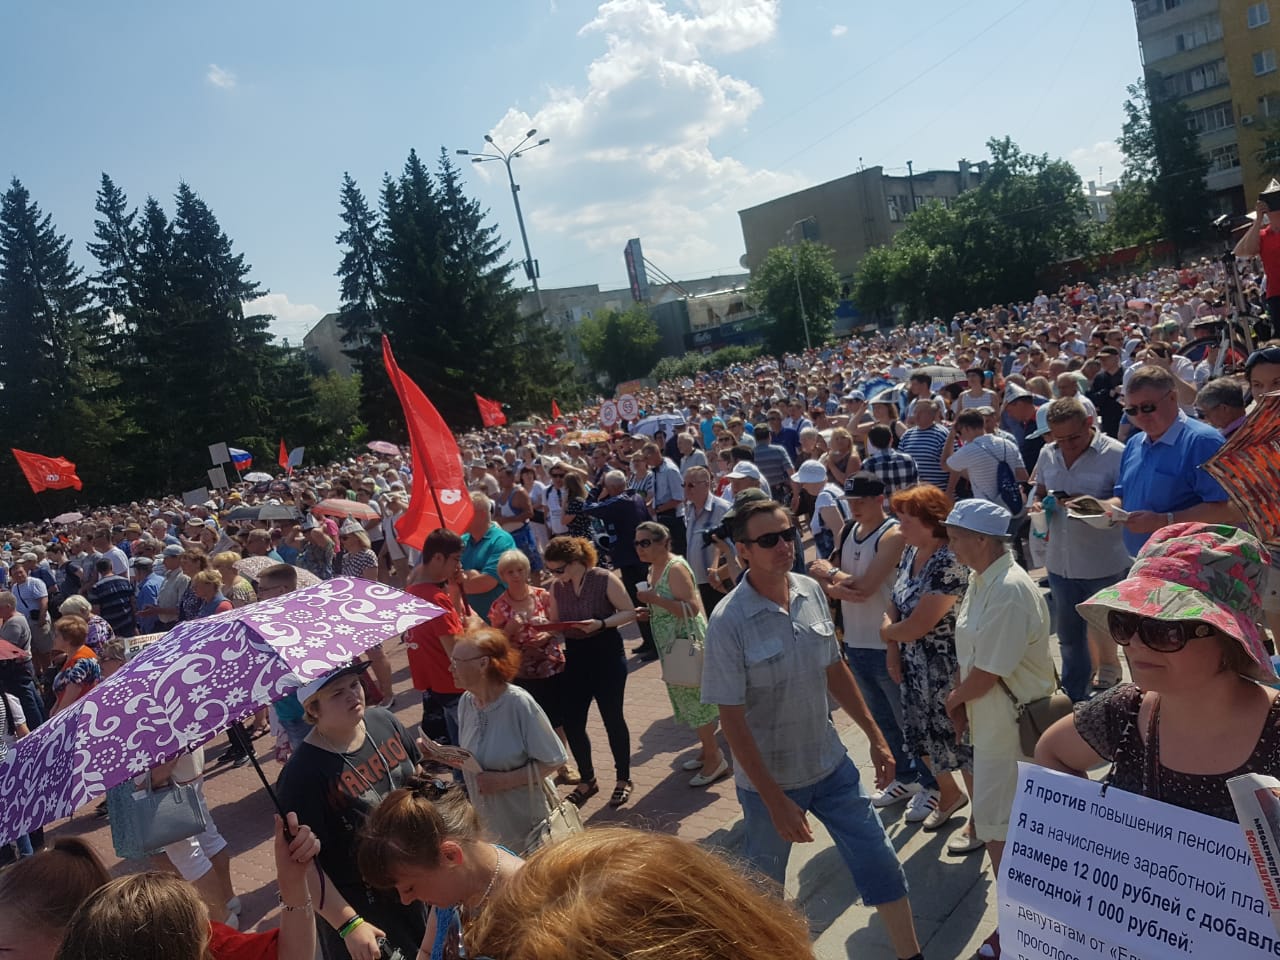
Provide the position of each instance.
(491, 414)
(283, 457)
(440, 497)
(555, 410)
(47, 473)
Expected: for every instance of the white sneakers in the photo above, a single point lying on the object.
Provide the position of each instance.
(895, 792)
(923, 805)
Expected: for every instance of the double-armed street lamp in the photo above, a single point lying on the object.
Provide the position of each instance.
(520, 149)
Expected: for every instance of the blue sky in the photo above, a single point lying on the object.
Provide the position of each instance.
(665, 116)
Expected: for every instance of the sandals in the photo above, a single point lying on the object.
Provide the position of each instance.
(621, 793)
(579, 797)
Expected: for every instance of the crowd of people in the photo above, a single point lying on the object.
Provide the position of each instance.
(859, 518)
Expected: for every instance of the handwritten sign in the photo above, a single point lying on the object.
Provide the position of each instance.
(1117, 876)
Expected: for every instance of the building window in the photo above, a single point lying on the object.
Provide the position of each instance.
(1224, 158)
(1264, 61)
(894, 215)
(1259, 15)
(1199, 34)
(1217, 117)
(1269, 105)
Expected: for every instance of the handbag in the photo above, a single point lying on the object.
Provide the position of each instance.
(160, 817)
(1037, 716)
(682, 666)
(562, 819)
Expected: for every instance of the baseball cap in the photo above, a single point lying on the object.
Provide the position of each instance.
(742, 499)
(745, 469)
(174, 550)
(980, 516)
(309, 690)
(142, 562)
(864, 483)
(811, 471)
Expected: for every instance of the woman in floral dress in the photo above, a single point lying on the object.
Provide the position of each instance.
(919, 630)
(674, 608)
(519, 613)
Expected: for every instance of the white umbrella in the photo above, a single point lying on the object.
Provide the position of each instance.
(257, 477)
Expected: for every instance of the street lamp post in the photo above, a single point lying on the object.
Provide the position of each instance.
(795, 267)
(520, 149)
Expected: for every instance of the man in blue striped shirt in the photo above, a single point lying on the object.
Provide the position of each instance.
(924, 443)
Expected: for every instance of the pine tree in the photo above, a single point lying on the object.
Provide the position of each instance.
(56, 396)
(360, 273)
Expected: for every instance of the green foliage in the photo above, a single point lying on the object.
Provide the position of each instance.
(1135, 219)
(1163, 155)
(989, 245)
(429, 272)
(621, 345)
(789, 276)
(691, 364)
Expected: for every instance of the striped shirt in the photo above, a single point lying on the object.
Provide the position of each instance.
(924, 445)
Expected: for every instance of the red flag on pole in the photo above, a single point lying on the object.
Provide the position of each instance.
(555, 410)
(47, 473)
(283, 457)
(491, 414)
(440, 497)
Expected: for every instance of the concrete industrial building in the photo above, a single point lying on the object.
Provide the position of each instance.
(1218, 57)
(323, 344)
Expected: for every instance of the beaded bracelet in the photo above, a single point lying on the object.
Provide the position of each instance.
(289, 909)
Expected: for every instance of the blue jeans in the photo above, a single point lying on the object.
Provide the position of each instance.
(1073, 638)
(841, 804)
(885, 703)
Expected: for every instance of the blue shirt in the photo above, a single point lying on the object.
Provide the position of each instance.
(1166, 476)
(483, 555)
(148, 596)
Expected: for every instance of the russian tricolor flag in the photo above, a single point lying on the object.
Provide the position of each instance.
(242, 459)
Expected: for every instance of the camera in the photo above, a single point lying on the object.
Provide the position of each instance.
(721, 531)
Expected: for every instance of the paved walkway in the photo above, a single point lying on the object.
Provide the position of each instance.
(952, 897)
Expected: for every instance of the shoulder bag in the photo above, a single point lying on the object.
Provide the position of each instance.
(682, 667)
(159, 817)
(1037, 716)
(562, 818)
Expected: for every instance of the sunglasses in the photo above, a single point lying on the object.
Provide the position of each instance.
(646, 543)
(1143, 408)
(556, 571)
(769, 540)
(557, 476)
(1162, 636)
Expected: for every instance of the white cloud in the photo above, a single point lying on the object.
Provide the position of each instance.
(839, 30)
(223, 79)
(1105, 154)
(292, 320)
(631, 150)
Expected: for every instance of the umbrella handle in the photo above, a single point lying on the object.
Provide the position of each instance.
(284, 817)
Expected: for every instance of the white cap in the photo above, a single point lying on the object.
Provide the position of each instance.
(811, 471)
(980, 516)
(745, 469)
(309, 690)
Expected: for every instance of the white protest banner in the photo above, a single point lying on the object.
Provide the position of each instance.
(195, 497)
(608, 414)
(1117, 876)
(218, 453)
(628, 407)
(218, 478)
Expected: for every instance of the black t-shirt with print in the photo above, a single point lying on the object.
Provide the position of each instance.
(334, 794)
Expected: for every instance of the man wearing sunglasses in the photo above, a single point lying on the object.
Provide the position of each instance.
(770, 646)
(1162, 481)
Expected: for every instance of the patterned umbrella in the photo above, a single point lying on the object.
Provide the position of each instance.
(252, 568)
(181, 690)
(346, 508)
(384, 446)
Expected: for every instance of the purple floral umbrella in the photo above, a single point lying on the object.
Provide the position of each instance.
(183, 689)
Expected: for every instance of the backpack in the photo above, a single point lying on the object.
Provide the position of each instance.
(1006, 484)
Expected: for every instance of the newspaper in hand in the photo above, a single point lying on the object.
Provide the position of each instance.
(449, 755)
(1094, 512)
(1257, 802)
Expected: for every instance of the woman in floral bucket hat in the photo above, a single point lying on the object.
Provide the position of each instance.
(1198, 712)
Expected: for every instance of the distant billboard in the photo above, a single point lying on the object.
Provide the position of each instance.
(636, 275)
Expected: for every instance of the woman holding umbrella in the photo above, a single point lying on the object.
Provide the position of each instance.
(354, 757)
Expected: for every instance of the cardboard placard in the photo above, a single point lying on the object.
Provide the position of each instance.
(218, 478)
(193, 498)
(218, 453)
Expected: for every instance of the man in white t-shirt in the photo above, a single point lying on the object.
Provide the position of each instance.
(980, 457)
(863, 583)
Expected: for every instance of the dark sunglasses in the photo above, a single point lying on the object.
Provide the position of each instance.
(557, 476)
(769, 540)
(556, 571)
(1143, 408)
(646, 543)
(1162, 636)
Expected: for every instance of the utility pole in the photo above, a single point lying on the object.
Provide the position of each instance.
(911, 186)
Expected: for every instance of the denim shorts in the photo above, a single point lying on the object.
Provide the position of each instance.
(841, 804)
